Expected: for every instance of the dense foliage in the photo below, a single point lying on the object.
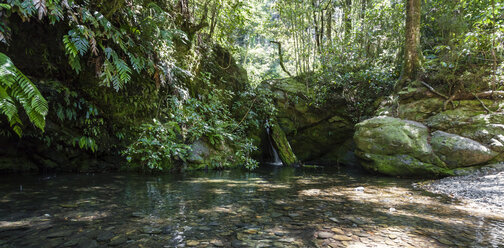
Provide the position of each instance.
(149, 80)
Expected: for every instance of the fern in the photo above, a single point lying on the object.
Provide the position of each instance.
(17, 89)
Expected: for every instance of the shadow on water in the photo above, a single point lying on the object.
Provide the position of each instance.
(270, 207)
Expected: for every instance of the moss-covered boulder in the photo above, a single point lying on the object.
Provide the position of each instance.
(457, 151)
(397, 147)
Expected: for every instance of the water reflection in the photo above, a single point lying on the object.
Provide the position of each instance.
(277, 207)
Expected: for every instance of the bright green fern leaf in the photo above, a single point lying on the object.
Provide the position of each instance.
(16, 89)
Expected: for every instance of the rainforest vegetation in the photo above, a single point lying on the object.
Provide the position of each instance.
(190, 84)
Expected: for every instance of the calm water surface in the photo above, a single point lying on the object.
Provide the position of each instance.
(281, 207)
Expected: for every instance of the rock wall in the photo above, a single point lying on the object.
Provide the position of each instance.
(418, 136)
(316, 133)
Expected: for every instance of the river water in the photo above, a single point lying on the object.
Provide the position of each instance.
(281, 207)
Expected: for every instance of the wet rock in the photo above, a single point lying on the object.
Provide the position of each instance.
(105, 236)
(192, 243)
(217, 243)
(334, 219)
(251, 231)
(238, 244)
(341, 237)
(337, 230)
(324, 235)
(59, 234)
(151, 230)
(118, 240)
(87, 243)
(204, 228)
(138, 214)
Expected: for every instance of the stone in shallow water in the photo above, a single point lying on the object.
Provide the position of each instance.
(341, 237)
(251, 231)
(87, 243)
(151, 230)
(334, 219)
(138, 214)
(217, 243)
(60, 234)
(118, 240)
(192, 243)
(324, 235)
(105, 236)
(445, 241)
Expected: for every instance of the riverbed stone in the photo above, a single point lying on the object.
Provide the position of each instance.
(324, 235)
(105, 236)
(118, 240)
(457, 151)
(340, 237)
(151, 230)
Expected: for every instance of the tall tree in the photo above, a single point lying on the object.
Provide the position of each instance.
(412, 46)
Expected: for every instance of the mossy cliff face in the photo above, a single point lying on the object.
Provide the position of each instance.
(427, 140)
(316, 132)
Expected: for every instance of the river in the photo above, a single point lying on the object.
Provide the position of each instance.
(271, 207)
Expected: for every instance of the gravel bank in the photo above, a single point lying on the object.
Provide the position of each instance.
(483, 187)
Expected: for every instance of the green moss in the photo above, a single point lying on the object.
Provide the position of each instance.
(282, 144)
(401, 165)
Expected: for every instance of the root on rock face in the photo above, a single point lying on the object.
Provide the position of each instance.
(467, 96)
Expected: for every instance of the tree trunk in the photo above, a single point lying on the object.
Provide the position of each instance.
(348, 20)
(412, 46)
(281, 57)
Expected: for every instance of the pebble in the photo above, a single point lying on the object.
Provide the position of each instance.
(324, 235)
(192, 243)
(151, 230)
(217, 243)
(105, 236)
(118, 240)
(337, 230)
(341, 237)
(60, 234)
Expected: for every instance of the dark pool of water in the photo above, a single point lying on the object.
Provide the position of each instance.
(282, 207)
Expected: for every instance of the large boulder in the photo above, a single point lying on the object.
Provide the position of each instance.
(397, 147)
(430, 137)
(457, 151)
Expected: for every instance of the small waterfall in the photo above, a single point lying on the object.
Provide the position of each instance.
(274, 154)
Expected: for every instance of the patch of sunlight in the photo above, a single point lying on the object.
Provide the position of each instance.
(219, 191)
(225, 181)
(87, 216)
(14, 224)
(218, 209)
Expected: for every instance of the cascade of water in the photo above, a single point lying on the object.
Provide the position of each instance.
(276, 159)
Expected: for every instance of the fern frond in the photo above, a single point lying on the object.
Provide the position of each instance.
(41, 7)
(16, 88)
(123, 70)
